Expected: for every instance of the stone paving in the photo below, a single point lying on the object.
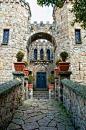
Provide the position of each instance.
(40, 115)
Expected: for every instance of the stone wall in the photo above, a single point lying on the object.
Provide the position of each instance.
(74, 99)
(13, 16)
(66, 42)
(10, 99)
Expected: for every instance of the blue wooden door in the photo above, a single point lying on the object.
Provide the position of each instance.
(41, 80)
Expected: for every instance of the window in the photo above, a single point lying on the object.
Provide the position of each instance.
(30, 72)
(48, 54)
(35, 54)
(6, 36)
(41, 54)
(77, 36)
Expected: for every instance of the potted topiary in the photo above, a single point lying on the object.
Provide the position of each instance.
(30, 80)
(19, 65)
(51, 81)
(63, 66)
(26, 70)
(57, 69)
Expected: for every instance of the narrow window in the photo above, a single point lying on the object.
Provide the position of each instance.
(41, 54)
(6, 36)
(35, 54)
(77, 36)
(48, 54)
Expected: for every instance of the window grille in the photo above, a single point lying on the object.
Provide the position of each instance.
(35, 54)
(48, 54)
(41, 54)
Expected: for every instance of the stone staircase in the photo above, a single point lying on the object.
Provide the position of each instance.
(41, 94)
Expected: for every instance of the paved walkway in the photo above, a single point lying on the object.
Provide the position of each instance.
(40, 115)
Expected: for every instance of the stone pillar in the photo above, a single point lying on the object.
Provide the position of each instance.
(30, 93)
(62, 75)
(19, 74)
(51, 94)
(56, 88)
(26, 87)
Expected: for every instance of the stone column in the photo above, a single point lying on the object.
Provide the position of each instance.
(19, 74)
(26, 87)
(62, 75)
(51, 94)
(56, 88)
(30, 93)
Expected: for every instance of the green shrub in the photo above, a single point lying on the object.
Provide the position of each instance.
(58, 60)
(31, 79)
(19, 56)
(51, 79)
(64, 53)
(26, 63)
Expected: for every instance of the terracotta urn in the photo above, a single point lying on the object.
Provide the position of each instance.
(19, 66)
(63, 66)
(51, 86)
(30, 86)
(56, 71)
(26, 72)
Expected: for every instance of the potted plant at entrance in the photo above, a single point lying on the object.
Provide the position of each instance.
(19, 65)
(51, 81)
(57, 69)
(30, 80)
(63, 66)
(26, 70)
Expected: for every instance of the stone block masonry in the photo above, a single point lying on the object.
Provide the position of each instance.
(10, 99)
(74, 99)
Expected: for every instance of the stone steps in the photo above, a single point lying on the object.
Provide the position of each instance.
(40, 95)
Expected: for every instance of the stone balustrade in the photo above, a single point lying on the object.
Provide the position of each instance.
(10, 99)
(74, 100)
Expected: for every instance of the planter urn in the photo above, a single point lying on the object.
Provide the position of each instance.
(51, 86)
(63, 66)
(56, 71)
(30, 86)
(19, 66)
(26, 72)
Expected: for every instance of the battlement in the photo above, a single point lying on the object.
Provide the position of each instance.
(23, 3)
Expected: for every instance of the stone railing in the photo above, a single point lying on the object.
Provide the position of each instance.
(12, 95)
(74, 100)
(10, 99)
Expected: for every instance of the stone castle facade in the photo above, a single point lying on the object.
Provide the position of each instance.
(17, 33)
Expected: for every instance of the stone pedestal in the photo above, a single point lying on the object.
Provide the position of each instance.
(19, 74)
(56, 87)
(30, 93)
(62, 75)
(26, 87)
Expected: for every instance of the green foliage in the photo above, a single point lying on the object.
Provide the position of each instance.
(31, 79)
(58, 60)
(64, 54)
(79, 8)
(31, 27)
(26, 63)
(19, 56)
(51, 79)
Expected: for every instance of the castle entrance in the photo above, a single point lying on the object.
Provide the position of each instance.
(41, 80)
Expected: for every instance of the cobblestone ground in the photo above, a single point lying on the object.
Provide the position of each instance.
(40, 115)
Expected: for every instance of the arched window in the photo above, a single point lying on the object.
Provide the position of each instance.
(41, 54)
(48, 54)
(35, 54)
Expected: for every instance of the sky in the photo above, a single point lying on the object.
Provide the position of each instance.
(40, 13)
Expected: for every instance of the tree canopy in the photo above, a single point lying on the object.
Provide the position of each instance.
(78, 8)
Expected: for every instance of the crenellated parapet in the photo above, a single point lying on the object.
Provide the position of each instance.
(41, 27)
(22, 2)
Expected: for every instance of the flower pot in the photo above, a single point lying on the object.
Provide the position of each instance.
(51, 86)
(26, 72)
(63, 66)
(30, 86)
(19, 66)
(56, 71)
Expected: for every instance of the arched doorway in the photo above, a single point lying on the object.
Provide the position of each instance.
(41, 47)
